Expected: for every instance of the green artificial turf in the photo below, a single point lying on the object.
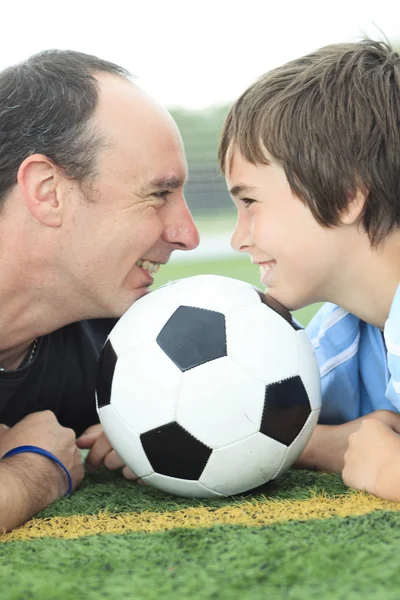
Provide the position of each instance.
(107, 490)
(349, 559)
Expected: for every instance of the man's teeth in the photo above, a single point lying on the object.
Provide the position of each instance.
(148, 265)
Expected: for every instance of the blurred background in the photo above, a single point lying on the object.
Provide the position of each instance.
(196, 57)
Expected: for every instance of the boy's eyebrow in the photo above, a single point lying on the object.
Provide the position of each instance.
(241, 189)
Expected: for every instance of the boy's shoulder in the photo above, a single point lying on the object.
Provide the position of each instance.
(333, 323)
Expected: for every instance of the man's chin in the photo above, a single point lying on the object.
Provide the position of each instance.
(119, 309)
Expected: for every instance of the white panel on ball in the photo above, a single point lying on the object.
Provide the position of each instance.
(125, 441)
(298, 445)
(180, 487)
(243, 466)
(262, 343)
(309, 370)
(144, 320)
(145, 387)
(215, 292)
(219, 403)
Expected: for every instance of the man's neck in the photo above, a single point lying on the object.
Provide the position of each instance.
(12, 358)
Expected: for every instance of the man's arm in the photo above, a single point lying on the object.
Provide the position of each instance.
(24, 489)
(30, 482)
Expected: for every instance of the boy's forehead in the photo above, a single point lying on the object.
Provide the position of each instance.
(243, 176)
(235, 161)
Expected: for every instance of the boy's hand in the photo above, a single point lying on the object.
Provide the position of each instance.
(101, 452)
(328, 444)
(372, 461)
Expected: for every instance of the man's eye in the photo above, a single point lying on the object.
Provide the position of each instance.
(162, 195)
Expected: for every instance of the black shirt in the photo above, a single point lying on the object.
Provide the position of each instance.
(61, 377)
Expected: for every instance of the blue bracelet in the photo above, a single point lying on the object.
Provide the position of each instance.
(37, 450)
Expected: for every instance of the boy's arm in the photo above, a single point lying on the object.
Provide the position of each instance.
(372, 461)
(329, 443)
(326, 448)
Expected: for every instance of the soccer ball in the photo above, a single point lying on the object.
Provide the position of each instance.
(206, 391)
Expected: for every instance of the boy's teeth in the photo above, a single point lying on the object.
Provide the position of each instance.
(148, 265)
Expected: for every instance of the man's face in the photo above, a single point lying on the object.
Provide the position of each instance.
(134, 214)
(298, 258)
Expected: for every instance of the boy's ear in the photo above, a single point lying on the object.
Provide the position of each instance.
(39, 183)
(354, 208)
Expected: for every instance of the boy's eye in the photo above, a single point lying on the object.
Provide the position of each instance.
(247, 201)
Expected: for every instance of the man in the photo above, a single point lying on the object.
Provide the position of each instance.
(91, 203)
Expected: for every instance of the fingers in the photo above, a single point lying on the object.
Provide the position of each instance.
(77, 472)
(101, 452)
(98, 452)
(89, 436)
(128, 474)
(112, 461)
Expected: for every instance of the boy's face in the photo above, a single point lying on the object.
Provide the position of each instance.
(296, 255)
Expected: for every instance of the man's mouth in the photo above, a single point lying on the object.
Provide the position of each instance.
(148, 265)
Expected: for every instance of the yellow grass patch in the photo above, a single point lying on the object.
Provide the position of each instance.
(252, 513)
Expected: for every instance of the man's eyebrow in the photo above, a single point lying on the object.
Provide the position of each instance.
(165, 183)
(241, 189)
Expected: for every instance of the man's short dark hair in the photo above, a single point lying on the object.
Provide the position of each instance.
(332, 120)
(46, 105)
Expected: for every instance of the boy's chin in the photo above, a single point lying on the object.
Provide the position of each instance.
(287, 302)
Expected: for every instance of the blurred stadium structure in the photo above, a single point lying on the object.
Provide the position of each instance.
(206, 192)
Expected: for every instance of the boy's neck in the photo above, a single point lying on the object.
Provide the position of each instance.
(371, 280)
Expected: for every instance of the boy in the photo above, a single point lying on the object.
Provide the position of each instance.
(311, 154)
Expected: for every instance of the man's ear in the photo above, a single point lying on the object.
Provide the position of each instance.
(355, 206)
(39, 183)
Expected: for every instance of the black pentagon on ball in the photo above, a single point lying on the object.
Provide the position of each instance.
(193, 336)
(105, 373)
(172, 451)
(286, 409)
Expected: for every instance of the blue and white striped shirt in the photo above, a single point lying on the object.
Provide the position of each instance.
(360, 371)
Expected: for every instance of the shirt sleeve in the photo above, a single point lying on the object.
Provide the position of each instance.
(335, 334)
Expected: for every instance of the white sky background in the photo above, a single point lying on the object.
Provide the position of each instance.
(192, 53)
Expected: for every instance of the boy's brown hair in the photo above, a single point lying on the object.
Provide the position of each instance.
(332, 120)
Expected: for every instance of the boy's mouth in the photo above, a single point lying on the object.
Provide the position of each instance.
(266, 269)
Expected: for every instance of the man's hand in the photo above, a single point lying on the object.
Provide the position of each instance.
(372, 461)
(101, 452)
(30, 482)
(3, 429)
(42, 429)
(328, 444)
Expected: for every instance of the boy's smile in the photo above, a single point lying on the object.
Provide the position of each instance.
(266, 271)
(298, 258)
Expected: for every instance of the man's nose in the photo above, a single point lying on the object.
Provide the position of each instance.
(182, 231)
